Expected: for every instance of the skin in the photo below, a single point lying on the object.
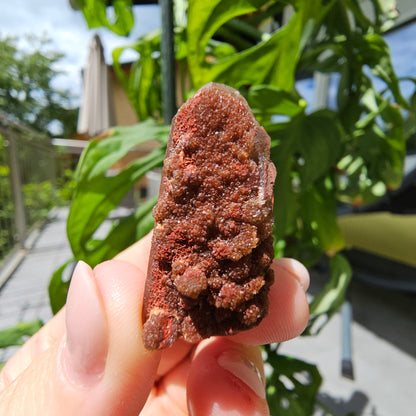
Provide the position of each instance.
(89, 360)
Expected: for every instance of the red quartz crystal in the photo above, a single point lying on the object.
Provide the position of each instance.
(209, 270)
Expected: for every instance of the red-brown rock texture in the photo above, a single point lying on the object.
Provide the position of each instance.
(209, 270)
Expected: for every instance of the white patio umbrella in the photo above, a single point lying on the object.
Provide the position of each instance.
(95, 115)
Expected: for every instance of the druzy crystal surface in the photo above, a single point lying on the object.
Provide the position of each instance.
(209, 270)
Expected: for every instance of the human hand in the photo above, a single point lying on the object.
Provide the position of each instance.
(89, 359)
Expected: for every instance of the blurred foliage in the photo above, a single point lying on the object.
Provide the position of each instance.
(331, 298)
(349, 153)
(18, 334)
(7, 230)
(38, 198)
(293, 386)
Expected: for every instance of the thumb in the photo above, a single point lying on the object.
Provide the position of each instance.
(226, 378)
(99, 366)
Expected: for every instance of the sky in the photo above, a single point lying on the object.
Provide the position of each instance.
(69, 32)
(71, 36)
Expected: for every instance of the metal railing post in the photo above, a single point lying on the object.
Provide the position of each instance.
(17, 190)
(168, 61)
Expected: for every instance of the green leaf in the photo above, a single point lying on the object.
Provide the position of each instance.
(384, 156)
(95, 13)
(144, 219)
(91, 205)
(285, 199)
(292, 386)
(102, 152)
(205, 18)
(376, 53)
(142, 82)
(318, 140)
(386, 12)
(97, 193)
(123, 233)
(380, 143)
(271, 61)
(303, 152)
(18, 334)
(360, 17)
(220, 49)
(58, 286)
(330, 299)
(319, 211)
(266, 99)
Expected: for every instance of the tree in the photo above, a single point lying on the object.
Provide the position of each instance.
(27, 92)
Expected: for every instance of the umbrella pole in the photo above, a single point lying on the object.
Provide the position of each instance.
(168, 62)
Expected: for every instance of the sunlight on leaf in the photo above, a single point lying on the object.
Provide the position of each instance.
(292, 385)
(120, 20)
(330, 299)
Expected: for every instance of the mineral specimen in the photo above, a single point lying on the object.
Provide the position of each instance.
(209, 269)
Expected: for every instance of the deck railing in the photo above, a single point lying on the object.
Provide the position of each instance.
(29, 167)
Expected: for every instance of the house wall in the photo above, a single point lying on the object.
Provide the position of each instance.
(123, 111)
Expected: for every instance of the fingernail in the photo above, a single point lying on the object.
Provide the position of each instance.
(85, 350)
(297, 270)
(245, 370)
